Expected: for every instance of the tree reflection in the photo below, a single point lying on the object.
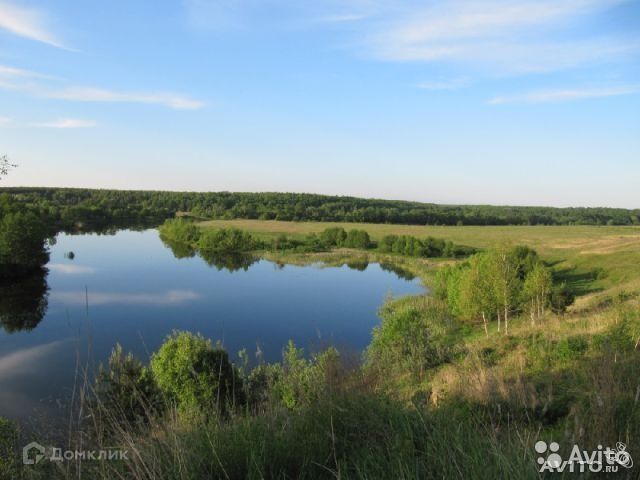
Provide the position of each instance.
(220, 260)
(23, 303)
(179, 249)
(399, 271)
(360, 265)
(228, 261)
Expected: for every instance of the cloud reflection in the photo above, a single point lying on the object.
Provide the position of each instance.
(27, 360)
(70, 269)
(171, 297)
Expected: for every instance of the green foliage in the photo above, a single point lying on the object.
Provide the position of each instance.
(179, 230)
(199, 378)
(561, 298)
(126, 389)
(537, 289)
(69, 207)
(302, 380)
(23, 249)
(572, 347)
(227, 240)
(357, 239)
(415, 247)
(311, 243)
(333, 237)
(9, 468)
(415, 334)
(498, 283)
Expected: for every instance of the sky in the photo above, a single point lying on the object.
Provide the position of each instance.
(504, 102)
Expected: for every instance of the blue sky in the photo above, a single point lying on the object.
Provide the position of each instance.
(461, 101)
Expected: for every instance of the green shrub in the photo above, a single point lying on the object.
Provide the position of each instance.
(126, 389)
(195, 375)
(357, 239)
(179, 230)
(561, 298)
(333, 237)
(415, 334)
(572, 347)
(227, 240)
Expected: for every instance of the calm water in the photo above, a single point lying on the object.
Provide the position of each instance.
(138, 292)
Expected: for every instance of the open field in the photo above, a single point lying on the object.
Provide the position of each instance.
(594, 260)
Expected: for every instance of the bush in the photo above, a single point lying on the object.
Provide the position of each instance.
(300, 381)
(227, 240)
(561, 298)
(126, 389)
(357, 239)
(179, 230)
(333, 237)
(195, 375)
(415, 334)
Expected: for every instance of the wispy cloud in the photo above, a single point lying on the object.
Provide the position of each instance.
(343, 17)
(451, 84)
(92, 94)
(564, 95)
(12, 78)
(6, 122)
(67, 123)
(499, 34)
(27, 23)
(13, 72)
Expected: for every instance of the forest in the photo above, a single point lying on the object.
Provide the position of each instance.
(74, 208)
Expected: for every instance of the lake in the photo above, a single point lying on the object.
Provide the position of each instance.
(132, 289)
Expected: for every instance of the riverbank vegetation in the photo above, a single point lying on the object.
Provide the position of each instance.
(183, 233)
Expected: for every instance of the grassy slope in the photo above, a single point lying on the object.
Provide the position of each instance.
(577, 252)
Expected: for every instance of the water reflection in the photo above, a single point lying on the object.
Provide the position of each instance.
(69, 269)
(23, 303)
(399, 271)
(219, 260)
(179, 250)
(81, 297)
(359, 265)
(228, 261)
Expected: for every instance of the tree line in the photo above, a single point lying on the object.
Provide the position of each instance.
(70, 207)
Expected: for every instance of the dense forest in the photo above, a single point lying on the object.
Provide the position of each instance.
(71, 208)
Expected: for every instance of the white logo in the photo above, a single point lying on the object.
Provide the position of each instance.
(54, 454)
(26, 453)
(601, 460)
